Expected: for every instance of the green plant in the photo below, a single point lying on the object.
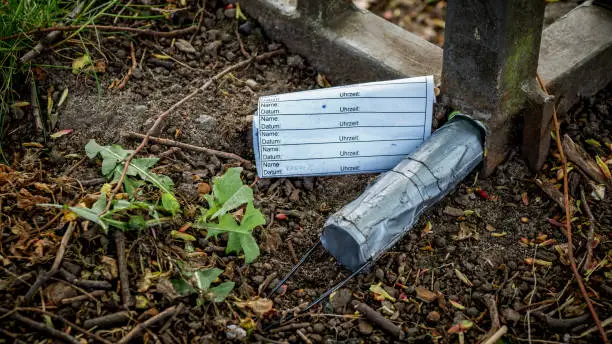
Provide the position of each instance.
(131, 214)
(113, 165)
(201, 282)
(230, 193)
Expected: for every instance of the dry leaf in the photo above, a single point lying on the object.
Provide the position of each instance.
(259, 306)
(461, 327)
(26, 201)
(80, 63)
(456, 304)
(425, 294)
(379, 291)
(60, 133)
(463, 278)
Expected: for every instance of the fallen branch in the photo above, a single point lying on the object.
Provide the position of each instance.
(140, 328)
(266, 282)
(489, 301)
(52, 36)
(83, 297)
(125, 79)
(172, 143)
(242, 50)
(568, 223)
(587, 210)
(43, 277)
(56, 30)
(578, 156)
(562, 324)
(289, 327)
(124, 279)
(380, 320)
(41, 327)
(109, 320)
(91, 284)
(496, 336)
(66, 322)
(164, 114)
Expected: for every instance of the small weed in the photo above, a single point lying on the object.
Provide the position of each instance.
(200, 282)
(230, 193)
(131, 214)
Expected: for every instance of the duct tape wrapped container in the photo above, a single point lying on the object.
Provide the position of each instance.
(367, 227)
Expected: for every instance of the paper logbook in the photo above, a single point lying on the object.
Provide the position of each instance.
(363, 128)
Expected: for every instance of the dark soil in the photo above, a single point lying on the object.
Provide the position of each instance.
(490, 245)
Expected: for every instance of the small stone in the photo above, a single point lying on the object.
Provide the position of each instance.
(230, 13)
(433, 317)
(439, 242)
(203, 188)
(365, 327)
(472, 312)
(203, 243)
(412, 331)
(453, 211)
(246, 28)
(308, 183)
(258, 279)
(235, 332)
(212, 35)
(58, 291)
(184, 46)
(295, 61)
(226, 37)
(137, 73)
(212, 48)
(318, 328)
(380, 274)
(451, 249)
(510, 315)
(230, 56)
(121, 53)
(205, 119)
(340, 299)
(252, 84)
(155, 149)
(140, 109)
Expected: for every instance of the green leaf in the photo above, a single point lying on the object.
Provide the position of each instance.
(250, 248)
(136, 222)
(252, 218)
(169, 203)
(85, 213)
(182, 287)
(141, 164)
(220, 292)
(204, 278)
(243, 195)
(92, 148)
(227, 185)
(131, 185)
(100, 204)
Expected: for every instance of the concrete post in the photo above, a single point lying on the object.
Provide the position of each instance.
(490, 59)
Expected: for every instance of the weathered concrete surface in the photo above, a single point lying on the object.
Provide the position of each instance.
(490, 52)
(344, 42)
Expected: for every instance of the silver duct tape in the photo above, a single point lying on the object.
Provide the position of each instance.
(367, 227)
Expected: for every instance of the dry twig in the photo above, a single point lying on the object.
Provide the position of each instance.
(41, 327)
(43, 277)
(57, 29)
(140, 328)
(172, 143)
(130, 70)
(66, 322)
(380, 320)
(496, 336)
(587, 209)
(568, 223)
(124, 279)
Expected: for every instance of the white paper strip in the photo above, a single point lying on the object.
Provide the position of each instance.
(363, 128)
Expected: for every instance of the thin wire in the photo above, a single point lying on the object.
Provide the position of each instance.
(322, 297)
(295, 267)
